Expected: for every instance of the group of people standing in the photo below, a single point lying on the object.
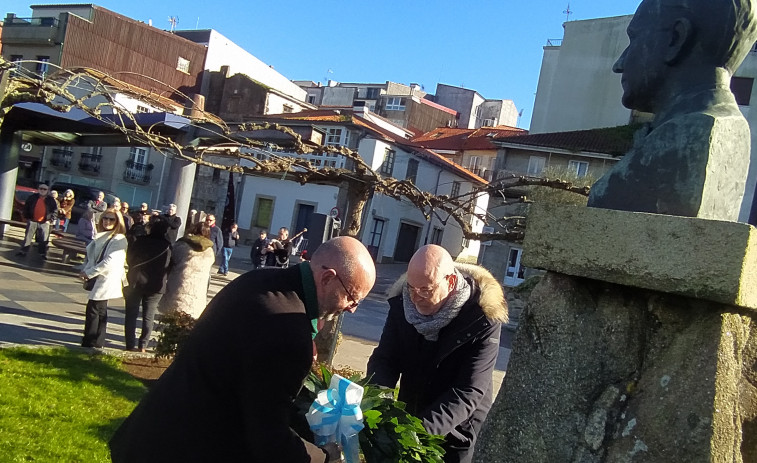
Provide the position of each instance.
(272, 252)
(147, 265)
(43, 211)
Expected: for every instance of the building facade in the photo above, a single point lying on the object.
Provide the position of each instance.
(474, 110)
(391, 229)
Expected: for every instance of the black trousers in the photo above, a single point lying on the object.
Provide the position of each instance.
(95, 322)
(149, 302)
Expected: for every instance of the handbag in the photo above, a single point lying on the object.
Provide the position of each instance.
(89, 284)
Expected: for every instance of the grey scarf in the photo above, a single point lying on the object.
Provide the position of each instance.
(430, 325)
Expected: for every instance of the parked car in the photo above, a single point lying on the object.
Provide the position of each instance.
(82, 195)
(19, 199)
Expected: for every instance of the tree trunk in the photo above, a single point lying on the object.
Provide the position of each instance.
(327, 340)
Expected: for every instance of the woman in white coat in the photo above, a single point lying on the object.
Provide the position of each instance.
(106, 256)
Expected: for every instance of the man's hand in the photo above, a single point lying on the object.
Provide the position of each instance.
(333, 451)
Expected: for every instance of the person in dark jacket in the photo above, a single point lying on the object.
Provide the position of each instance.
(173, 221)
(139, 227)
(40, 211)
(230, 238)
(148, 258)
(441, 338)
(97, 206)
(259, 250)
(279, 249)
(228, 393)
(216, 236)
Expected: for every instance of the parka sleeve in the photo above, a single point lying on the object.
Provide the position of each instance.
(468, 388)
(384, 363)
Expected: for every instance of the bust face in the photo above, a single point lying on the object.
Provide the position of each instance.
(642, 64)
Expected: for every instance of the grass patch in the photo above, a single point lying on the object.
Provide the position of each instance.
(61, 405)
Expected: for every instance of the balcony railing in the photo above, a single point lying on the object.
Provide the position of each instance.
(61, 159)
(90, 163)
(11, 21)
(136, 172)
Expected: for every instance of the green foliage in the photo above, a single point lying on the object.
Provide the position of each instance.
(61, 405)
(390, 434)
(174, 328)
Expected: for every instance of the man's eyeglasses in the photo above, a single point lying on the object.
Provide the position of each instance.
(355, 302)
(111, 219)
(42, 189)
(428, 291)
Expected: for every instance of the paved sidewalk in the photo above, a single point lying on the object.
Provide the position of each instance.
(42, 303)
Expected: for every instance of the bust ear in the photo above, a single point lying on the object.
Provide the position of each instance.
(680, 36)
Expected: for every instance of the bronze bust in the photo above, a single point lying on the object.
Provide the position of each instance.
(692, 160)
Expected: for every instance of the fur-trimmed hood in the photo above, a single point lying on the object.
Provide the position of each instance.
(491, 295)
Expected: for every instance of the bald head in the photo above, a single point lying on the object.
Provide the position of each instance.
(344, 273)
(430, 278)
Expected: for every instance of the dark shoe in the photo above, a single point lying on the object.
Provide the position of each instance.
(43, 256)
(21, 253)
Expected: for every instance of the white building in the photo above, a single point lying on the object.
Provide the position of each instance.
(475, 110)
(391, 229)
(577, 89)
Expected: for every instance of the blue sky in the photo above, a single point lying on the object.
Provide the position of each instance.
(494, 47)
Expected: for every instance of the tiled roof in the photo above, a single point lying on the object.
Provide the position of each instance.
(438, 106)
(448, 138)
(346, 116)
(614, 141)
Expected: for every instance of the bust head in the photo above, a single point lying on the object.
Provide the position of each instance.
(675, 43)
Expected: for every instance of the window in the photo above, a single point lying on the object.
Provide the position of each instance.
(395, 104)
(263, 213)
(311, 99)
(387, 167)
(412, 170)
(536, 165)
(489, 123)
(742, 89)
(578, 167)
(372, 93)
(17, 67)
(474, 163)
(288, 108)
(334, 137)
(436, 236)
(376, 232)
(455, 190)
(142, 109)
(183, 65)
(466, 242)
(138, 155)
(43, 66)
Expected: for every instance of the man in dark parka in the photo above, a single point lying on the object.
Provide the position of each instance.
(441, 340)
(227, 395)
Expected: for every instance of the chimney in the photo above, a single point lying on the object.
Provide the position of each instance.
(358, 107)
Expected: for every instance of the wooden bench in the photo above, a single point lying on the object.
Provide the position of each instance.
(70, 247)
(22, 224)
(11, 223)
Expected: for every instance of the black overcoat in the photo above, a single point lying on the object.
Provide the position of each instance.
(227, 395)
(446, 383)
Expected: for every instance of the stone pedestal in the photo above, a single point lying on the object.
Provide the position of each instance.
(638, 345)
